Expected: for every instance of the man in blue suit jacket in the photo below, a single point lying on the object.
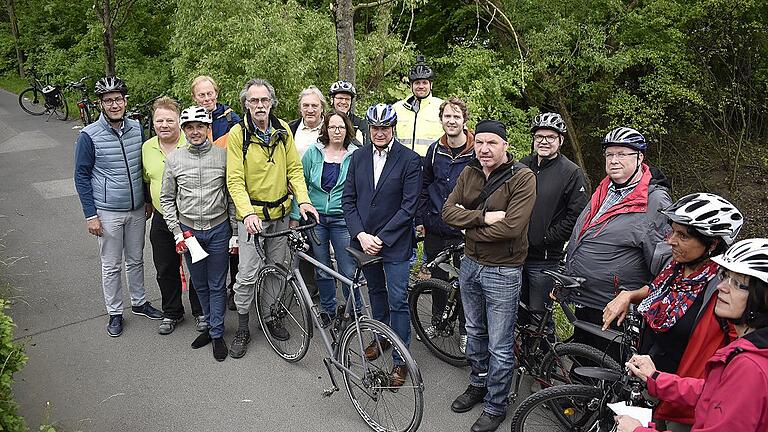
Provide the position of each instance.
(381, 194)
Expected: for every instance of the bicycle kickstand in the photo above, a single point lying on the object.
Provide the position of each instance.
(330, 391)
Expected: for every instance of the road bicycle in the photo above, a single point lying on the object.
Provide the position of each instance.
(88, 108)
(43, 98)
(283, 302)
(538, 355)
(584, 408)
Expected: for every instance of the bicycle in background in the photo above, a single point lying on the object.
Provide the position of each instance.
(384, 401)
(88, 109)
(43, 98)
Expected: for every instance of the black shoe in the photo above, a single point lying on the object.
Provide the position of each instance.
(326, 319)
(115, 326)
(488, 422)
(277, 330)
(231, 301)
(471, 397)
(240, 343)
(202, 340)
(148, 311)
(219, 349)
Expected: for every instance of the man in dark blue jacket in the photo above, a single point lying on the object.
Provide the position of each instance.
(379, 201)
(560, 197)
(109, 181)
(444, 161)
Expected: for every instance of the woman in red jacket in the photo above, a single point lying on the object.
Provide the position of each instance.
(734, 394)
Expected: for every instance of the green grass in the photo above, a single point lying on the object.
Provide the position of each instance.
(13, 83)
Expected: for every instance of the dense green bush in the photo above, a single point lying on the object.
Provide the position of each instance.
(12, 360)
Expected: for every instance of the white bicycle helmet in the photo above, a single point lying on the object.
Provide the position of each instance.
(625, 137)
(549, 121)
(709, 214)
(749, 257)
(195, 114)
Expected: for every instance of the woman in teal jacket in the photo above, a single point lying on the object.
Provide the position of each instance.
(325, 170)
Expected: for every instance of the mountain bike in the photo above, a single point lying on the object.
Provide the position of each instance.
(88, 108)
(43, 98)
(283, 301)
(584, 407)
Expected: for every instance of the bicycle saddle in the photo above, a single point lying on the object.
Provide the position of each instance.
(602, 374)
(362, 258)
(565, 280)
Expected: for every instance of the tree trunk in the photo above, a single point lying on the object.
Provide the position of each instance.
(11, 6)
(345, 39)
(108, 36)
(574, 138)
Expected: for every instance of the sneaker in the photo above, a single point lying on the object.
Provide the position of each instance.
(277, 330)
(168, 325)
(115, 326)
(240, 343)
(219, 349)
(231, 301)
(148, 311)
(467, 400)
(201, 324)
(463, 344)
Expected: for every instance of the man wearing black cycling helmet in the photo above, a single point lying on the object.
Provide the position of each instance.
(418, 123)
(618, 239)
(343, 94)
(108, 178)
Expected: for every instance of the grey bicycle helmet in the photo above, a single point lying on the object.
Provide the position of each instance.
(420, 71)
(381, 115)
(625, 137)
(195, 114)
(709, 214)
(342, 87)
(110, 84)
(549, 121)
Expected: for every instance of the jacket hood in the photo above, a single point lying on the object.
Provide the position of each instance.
(658, 178)
(755, 343)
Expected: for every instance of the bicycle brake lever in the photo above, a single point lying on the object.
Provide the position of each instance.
(313, 236)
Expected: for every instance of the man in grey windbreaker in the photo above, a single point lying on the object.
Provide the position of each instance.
(196, 203)
(618, 239)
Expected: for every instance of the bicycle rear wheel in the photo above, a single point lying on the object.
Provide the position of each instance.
(383, 406)
(283, 315)
(562, 408)
(445, 340)
(61, 110)
(558, 365)
(32, 101)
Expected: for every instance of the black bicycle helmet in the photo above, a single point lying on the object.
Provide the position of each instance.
(110, 84)
(420, 71)
(342, 87)
(549, 121)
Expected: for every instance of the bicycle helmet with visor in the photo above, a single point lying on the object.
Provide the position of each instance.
(110, 84)
(195, 114)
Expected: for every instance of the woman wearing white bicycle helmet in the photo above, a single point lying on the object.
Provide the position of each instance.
(733, 395)
(681, 329)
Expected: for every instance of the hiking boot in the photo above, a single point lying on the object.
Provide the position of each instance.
(277, 330)
(115, 326)
(168, 325)
(231, 301)
(399, 373)
(240, 343)
(467, 400)
(146, 310)
(201, 324)
(463, 344)
(487, 422)
(219, 349)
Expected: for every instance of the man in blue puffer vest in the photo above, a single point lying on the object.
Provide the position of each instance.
(109, 182)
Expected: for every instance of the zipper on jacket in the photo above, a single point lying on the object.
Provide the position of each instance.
(127, 169)
(415, 118)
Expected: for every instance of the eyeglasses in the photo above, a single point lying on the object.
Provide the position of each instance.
(620, 155)
(549, 139)
(337, 128)
(724, 275)
(342, 98)
(115, 101)
(255, 101)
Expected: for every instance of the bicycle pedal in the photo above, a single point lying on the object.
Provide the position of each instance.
(329, 392)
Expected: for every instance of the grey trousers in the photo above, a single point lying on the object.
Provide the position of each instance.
(123, 238)
(276, 250)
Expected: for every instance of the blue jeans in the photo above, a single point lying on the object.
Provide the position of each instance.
(388, 291)
(210, 274)
(332, 230)
(490, 295)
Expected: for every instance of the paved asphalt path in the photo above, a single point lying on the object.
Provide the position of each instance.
(143, 381)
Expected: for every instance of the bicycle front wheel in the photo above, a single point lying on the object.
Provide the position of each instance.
(283, 315)
(32, 101)
(567, 408)
(443, 340)
(558, 365)
(383, 404)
